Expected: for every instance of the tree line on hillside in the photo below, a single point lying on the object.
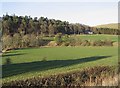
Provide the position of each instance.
(44, 26)
(23, 25)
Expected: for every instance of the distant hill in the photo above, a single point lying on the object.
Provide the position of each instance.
(111, 25)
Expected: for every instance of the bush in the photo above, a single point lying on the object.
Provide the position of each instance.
(44, 59)
(78, 41)
(52, 43)
(33, 41)
(7, 42)
(102, 43)
(65, 44)
(17, 40)
(74, 41)
(40, 41)
(36, 41)
(85, 43)
(72, 79)
(58, 38)
(8, 61)
(108, 43)
(26, 40)
(65, 38)
(97, 43)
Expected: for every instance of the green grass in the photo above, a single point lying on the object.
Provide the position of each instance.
(99, 37)
(31, 62)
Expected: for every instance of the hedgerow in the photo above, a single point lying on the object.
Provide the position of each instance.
(85, 77)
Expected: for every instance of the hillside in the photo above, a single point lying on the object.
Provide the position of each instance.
(111, 25)
(47, 27)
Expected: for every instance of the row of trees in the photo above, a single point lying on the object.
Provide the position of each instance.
(27, 25)
(107, 31)
(44, 26)
(18, 41)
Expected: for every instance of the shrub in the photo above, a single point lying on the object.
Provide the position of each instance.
(26, 40)
(39, 41)
(33, 40)
(71, 79)
(16, 40)
(7, 42)
(97, 43)
(102, 43)
(78, 41)
(85, 43)
(52, 43)
(44, 59)
(72, 41)
(8, 61)
(65, 44)
(58, 38)
(36, 41)
(108, 43)
(65, 38)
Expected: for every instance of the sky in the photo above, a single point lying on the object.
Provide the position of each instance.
(89, 13)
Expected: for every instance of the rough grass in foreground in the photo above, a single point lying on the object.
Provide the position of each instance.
(95, 76)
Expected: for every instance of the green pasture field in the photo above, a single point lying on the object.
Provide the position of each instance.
(93, 37)
(45, 61)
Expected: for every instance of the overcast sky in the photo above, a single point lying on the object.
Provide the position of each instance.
(89, 13)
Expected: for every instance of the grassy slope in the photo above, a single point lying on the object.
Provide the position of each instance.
(92, 37)
(112, 25)
(59, 60)
(99, 37)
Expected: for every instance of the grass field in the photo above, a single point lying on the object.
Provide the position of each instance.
(92, 37)
(31, 62)
(99, 37)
